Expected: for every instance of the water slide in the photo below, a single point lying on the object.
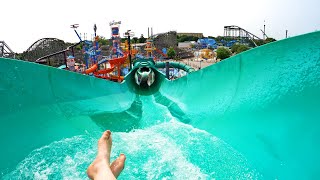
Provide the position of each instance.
(162, 54)
(94, 67)
(113, 62)
(252, 116)
(178, 65)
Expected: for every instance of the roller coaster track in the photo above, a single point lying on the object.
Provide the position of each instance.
(5, 50)
(44, 47)
(238, 32)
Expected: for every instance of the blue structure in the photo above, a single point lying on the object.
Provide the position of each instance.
(91, 52)
(90, 49)
(207, 43)
(116, 40)
(164, 50)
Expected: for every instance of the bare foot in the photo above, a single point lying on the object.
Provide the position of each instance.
(118, 165)
(100, 167)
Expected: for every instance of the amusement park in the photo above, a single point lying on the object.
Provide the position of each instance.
(112, 59)
(166, 105)
(117, 61)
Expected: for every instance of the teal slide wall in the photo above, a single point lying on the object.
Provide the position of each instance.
(264, 102)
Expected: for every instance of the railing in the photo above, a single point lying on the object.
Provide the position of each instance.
(43, 59)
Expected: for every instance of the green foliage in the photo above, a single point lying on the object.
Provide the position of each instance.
(135, 40)
(259, 42)
(67, 44)
(79, 47)
(238, 48)
(194, 38)
(19, 56)
(142, 39)
(268, 40)
(102, 41)
(123, 40)
(242, 48)
(184, 38)
(171, 53)
(223, 53)
(211, 37)
(262, 42)
(234, 47)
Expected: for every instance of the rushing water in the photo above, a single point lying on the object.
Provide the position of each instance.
(158, 146)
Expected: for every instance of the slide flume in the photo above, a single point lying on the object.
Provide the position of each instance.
(264, 103)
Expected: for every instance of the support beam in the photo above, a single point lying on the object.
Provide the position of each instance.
(5, 50)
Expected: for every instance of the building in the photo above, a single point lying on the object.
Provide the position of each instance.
(165, 40)
(184, 45)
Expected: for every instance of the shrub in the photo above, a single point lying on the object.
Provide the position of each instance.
(242, 48)
(223, 53)
(171, 53)
(238, 48)
(235, 47)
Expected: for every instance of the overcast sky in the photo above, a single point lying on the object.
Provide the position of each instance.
(25, 21)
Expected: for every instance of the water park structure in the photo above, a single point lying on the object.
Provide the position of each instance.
(115, 65)
(115, 60)
(252, 116)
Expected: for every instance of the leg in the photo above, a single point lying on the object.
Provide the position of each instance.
(100, 167)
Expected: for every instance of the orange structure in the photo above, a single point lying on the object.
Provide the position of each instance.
(104, 73)
(116, 59)
(149, 47)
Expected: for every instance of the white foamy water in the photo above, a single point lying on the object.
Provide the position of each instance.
(163, 148)
(170, 150)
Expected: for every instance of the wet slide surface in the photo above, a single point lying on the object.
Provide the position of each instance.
(252, 116)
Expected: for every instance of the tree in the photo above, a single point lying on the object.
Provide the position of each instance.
(223, 53)
(259, 42)
(238, 48)
(234, 47)
(171, 53)
(135, 40)
(102, 40)
(242, 48)
(79, 47)
(193, 38)
(123, 40)
(184, 38)
(19, 56)
(142, 39)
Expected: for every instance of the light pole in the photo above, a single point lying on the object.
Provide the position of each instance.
(96, 44)
(200, 64)
(128, 34)
(74, 27)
